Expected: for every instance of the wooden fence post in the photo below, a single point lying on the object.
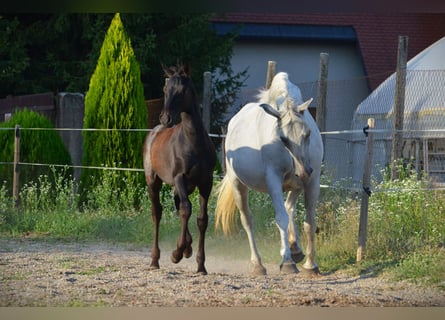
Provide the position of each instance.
(366, 193)
(15, 180)
(271, 70)
(207, 100)
(223, 150)
(321, 94)
(399, 105)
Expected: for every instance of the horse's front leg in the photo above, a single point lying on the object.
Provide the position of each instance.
(274, 187)
(185, 211)
(203, 221)
(156, 213)
(311, 193)
(294, 236)
(188, 250)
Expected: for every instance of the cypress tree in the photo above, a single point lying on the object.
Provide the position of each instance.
(115, 100)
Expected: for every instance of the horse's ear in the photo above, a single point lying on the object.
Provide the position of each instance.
(167, 70)
(304, 105)
(187, 69)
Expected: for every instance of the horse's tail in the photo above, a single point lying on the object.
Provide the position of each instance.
(225, 207)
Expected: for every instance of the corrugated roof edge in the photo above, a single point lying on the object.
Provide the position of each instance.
(285, 31)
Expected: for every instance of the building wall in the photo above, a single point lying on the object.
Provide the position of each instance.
(301, 61)
(377, 33)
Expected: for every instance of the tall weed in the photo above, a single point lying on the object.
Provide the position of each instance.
(405, 215)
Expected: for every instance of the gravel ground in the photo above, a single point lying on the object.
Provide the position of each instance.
(39, 273)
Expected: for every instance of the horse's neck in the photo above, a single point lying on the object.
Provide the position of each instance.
(192, 125)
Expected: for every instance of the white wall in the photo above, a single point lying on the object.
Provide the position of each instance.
(299, 59)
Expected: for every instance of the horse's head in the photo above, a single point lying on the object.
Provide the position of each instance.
(295, 133)
(179, 95)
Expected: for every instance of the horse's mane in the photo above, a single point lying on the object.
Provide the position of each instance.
(282, 93)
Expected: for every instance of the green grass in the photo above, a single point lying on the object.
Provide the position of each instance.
(406, 224)
(425, 267)
(406, 231)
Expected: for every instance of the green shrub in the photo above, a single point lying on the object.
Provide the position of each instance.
(36, 146)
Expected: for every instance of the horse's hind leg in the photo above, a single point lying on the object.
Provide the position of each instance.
(242, 202)
(156, 213)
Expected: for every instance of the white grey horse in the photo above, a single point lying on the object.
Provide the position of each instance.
(273, 146)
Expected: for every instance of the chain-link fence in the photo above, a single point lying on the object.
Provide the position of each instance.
(423, 124)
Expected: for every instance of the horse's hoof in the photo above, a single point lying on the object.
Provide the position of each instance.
(288, 268)
(202, 271)
(310, 272)
(188, 252)
(298, 257)
(259, 270)
(154, 266)
(175, 258)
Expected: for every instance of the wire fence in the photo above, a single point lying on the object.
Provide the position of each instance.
(348, 107)
(352, 162)
(422, 119)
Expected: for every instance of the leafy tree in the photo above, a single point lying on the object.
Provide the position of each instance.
(13, 57)
(47, 52)
(36, 146)
(58, 52)
(115, 100)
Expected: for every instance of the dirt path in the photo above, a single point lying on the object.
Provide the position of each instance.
(37, 273)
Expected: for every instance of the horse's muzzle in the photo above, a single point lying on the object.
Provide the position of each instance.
(306, 173)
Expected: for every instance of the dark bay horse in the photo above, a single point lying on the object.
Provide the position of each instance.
(180, 153)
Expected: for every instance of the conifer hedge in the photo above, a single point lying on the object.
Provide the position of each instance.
(36, 146)
(115, 100)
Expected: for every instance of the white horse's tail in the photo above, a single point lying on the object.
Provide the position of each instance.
(225, 207)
